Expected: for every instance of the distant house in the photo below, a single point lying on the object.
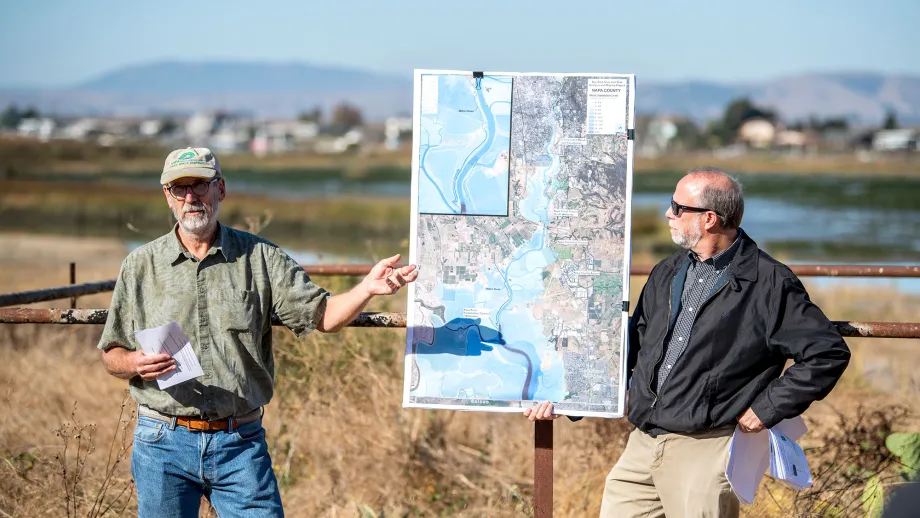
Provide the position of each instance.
(896, 140)
(81, 129)
(150, 128)
(839, 140)
(200, 126)
(397, 131)
(329, 144)
(757, 132)
(657, 136)
(794, 140)
(41, 128)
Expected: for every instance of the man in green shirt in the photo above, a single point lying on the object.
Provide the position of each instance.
(204, 436)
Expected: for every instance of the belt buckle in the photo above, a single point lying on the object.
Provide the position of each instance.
(203, 425)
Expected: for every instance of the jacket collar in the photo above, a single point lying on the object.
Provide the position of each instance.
(743, 265)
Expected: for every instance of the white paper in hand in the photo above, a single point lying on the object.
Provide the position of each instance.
(169, 339)
(749, 456)
(788, 463)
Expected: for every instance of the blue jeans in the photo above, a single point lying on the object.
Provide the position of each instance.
(173, 467)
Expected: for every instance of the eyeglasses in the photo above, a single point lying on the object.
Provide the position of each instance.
(677, 207)
(199, 189)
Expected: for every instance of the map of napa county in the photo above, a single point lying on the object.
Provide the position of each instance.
(520, 293)
(464, 145)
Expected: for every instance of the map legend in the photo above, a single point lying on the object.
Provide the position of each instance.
(606, 106)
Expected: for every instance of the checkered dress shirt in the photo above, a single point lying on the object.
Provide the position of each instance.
(701, 278)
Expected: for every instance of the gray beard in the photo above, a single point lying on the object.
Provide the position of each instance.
(199, 225)
(688, 239)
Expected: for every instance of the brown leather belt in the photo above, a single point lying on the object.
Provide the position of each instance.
(202, 425)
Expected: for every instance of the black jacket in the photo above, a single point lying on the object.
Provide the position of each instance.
(756, 317)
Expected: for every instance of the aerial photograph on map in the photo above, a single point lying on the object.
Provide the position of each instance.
(527, 306)
(465, 144)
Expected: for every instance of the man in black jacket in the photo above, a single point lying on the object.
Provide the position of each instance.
(710, 335)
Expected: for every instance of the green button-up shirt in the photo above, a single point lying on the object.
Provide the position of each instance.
(224, 304)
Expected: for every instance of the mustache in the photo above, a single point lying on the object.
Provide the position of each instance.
(195, 206)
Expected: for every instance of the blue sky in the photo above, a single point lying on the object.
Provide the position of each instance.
(60, 43)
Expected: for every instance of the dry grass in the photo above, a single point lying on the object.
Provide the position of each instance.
(341, 443)
(22, 157)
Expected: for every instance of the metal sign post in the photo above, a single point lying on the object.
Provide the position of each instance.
(543, 469)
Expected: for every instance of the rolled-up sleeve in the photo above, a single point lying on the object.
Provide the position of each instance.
(296, 300)
(119, 326)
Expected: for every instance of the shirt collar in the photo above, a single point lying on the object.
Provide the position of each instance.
(176, 251)
(722, 259)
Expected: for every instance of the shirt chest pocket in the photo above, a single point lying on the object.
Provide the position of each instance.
(238, 311)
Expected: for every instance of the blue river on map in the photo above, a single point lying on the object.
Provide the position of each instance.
(488, 357)
(490, 196)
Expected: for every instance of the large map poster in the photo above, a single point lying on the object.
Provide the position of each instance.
(521, 188)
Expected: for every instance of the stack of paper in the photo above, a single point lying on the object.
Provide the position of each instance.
(751, 454)
(788, 463)
(169, 339)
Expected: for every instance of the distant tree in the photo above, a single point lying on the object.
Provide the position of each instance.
(314, 115)
(344, 118)
(10, 117)
(891, 121)
(839, 123)
(814, 123)
(723, 131)
(741, 110)
(689, 135)
(30, 113)
(168, 127)
(715, 134)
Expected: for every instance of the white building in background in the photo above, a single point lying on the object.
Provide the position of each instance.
(757, 132)
(230, 135)
(657, 137)
(396, 130)
(199, 127)
(81, 129)
(332, 145)
(303, 131)
(150, 128)
(41, 128)
(281, 136)
(896, 140)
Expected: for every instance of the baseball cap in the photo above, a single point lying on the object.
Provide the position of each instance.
(197, 162)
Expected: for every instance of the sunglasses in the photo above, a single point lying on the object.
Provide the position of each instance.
(676, 208)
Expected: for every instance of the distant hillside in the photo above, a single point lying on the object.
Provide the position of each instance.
(285, 89)
(174, 78)
(862, 98)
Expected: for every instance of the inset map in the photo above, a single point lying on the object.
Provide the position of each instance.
(464, 145)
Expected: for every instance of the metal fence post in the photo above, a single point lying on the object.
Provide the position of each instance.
(73, 280)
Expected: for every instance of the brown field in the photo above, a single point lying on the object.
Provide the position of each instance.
(341, 443)
(23, 157)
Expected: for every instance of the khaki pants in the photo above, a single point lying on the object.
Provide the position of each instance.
(673, 475)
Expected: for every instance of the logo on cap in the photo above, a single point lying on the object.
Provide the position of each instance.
(187, 154)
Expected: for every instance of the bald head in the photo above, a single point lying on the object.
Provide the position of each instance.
(714, 189)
